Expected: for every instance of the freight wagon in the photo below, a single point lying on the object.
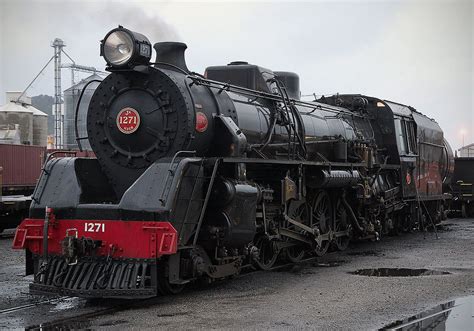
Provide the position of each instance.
(20, 168)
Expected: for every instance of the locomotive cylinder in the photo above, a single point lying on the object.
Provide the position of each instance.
(335, 178)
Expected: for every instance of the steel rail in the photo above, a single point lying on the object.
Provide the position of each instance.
(31, 305)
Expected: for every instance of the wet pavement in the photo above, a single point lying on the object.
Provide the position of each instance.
(450, 316)
(398, 278)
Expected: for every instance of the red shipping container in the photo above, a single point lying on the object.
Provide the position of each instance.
(21, 165)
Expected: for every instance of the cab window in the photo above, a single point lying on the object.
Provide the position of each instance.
(406, 137)
(411, 136)
(401, 136)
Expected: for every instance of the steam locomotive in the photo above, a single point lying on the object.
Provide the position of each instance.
(197, 177)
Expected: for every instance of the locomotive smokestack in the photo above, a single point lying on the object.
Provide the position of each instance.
(171, 53)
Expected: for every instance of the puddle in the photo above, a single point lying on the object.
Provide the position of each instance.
(453, 315)
(398, 272)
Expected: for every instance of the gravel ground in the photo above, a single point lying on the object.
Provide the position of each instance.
(313, 296)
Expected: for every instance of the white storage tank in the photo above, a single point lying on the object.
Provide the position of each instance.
(17, 113)
(71, 98)
(40, 127)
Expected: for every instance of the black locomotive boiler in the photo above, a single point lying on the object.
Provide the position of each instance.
(196, 176)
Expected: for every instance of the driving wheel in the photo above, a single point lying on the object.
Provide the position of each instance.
(321, 211)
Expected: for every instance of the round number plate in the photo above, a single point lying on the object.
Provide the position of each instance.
(128, 120)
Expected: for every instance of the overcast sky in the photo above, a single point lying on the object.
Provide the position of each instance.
(418, 53)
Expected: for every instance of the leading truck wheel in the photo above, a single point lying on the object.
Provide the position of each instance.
(268, 252)
(164, 285)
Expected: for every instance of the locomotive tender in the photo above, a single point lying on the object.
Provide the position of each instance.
(196, 177)
(462, 187)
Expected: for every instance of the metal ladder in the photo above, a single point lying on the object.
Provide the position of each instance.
(202, 202)
(170, 174)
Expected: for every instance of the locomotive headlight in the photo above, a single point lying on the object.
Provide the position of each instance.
(118, 48)
(124, 48)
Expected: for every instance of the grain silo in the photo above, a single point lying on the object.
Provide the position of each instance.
(40, 127)
(16, 114)
(71, 97)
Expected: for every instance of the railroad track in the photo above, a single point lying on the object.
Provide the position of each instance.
(81, 320)
(31, 305)
(77, 321)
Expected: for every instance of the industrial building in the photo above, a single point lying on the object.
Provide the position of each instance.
(466, 151)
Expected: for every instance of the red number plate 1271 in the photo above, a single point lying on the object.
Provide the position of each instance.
(94, 227)
(128, 120)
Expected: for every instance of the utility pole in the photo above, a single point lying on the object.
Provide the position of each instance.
(58, 46)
